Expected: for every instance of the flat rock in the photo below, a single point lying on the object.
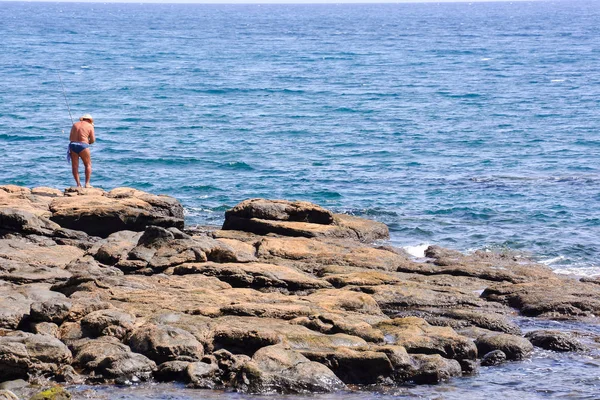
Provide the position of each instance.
(261, 216)
(101, 214)
(417, 336)
(256, 275)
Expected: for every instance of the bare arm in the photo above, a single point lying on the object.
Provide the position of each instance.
(92, 136)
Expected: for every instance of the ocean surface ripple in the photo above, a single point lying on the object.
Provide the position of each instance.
(465, 125)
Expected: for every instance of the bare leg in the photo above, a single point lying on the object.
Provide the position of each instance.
(75, 167)
(86, 157)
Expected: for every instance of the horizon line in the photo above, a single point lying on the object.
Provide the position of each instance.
(282, 2)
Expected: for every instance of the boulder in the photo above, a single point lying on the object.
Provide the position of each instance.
(162, 343)
(108, 323)
(111, 359)
(433, 368)
(99, 214)
(353, 366)
(494, 357)
(14, 307)
(203, 375)
(22, 354)
(172, 371)
(281, 210)
(514, 347)
(45, 328)
(302, 219)
(55, 310)
(276, 369)
(554, 340)
(25, 222)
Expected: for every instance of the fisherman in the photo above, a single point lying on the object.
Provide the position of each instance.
(82, 135)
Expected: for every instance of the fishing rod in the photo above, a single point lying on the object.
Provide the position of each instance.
(65, 94)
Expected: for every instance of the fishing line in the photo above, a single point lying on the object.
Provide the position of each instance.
(65, 94)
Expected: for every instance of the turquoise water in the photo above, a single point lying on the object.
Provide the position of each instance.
(465, 125)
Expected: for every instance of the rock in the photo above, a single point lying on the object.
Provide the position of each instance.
(20, 221)
(256, 275)
(163, 343)
(172, 371)
(8, 395)
(67, 374)
(99, 214)
(46, 191)
(275, 369)
(14, 384)
(554, 340)
(24, 353)
(434, 368)
(540, 297)
(489, 321)
(417, 336)
(54, 393)
(108, 323)
(24, 251)
(158, 249)
(515, 347)
(116, 247)
(281, 210)
(307, 253)
(353, 366)
(14, 307)
(55, 311)
(112, 359)
(494, 357)
(244, 252)
(303, 219)
(203, 375)
(229, 365)
(45, 328)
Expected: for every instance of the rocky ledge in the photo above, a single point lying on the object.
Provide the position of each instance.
(286, 297)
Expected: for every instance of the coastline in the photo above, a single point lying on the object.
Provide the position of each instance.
(287, 297)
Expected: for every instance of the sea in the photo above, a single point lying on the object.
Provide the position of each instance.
(466, 125)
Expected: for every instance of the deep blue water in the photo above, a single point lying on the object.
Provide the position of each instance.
(465, 125)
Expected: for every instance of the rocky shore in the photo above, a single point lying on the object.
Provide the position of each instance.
(285, 297)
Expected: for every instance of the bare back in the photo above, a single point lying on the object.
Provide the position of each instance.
(83, 132)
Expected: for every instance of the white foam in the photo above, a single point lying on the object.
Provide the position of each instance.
(551, 261)
(485, 59)
(418, 250)
(579, 271)
(557, 80)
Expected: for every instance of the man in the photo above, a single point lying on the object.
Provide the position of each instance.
(82, 135)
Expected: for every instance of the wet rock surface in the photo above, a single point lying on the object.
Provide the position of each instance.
(287, 297)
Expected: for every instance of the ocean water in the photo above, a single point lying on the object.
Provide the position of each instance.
(468, 125)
